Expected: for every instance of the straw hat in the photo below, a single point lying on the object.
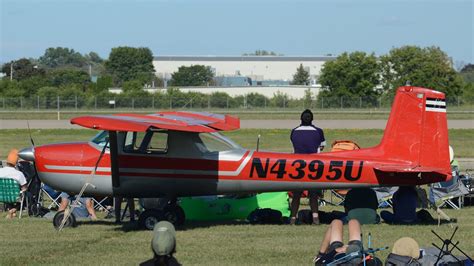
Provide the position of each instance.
(406, 246)
(12, 157)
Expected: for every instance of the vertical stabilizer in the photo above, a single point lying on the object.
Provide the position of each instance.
(417, 130)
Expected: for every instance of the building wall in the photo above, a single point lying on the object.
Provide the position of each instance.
(295, 92)
(256, 67)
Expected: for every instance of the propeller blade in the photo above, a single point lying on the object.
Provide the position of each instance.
(29, 132)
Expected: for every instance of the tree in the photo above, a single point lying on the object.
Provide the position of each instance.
(22, 69)
(354, 74)
(427, 67)
(132, 85)
(195, 75)
(62, 57)
(94, 58)
(467, 73)
(128, 63)
(63, 77)
(301, 77)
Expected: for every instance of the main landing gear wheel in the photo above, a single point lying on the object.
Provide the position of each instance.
(58, 218)
(149, 218)
(175, 215)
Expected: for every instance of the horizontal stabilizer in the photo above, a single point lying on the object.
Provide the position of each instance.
(409, 169)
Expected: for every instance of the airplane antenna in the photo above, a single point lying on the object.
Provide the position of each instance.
(258, 142)
(68, 211)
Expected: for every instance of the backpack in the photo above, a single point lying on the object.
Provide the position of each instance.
(344, 145)
(265, 216)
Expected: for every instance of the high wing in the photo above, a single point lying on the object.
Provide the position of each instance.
(179, 121)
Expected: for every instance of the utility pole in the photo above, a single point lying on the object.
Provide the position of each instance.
(11, 71)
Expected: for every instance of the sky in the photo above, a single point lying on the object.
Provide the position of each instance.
(234, 27)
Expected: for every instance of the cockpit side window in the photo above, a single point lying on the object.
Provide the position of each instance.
(150, 142)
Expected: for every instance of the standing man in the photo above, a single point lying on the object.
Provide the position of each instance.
(9, 171)
(306, 139)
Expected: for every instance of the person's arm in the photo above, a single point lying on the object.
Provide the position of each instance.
(323, 140)
(22, 182)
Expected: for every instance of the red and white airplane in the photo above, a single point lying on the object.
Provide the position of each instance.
(173, 154)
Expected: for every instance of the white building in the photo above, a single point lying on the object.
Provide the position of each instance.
(261, 70)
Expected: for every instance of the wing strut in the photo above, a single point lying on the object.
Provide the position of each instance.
(114, 159)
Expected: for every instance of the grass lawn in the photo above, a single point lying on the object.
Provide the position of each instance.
(462, 140)
(35, 241)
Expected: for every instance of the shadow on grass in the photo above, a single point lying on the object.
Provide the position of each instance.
(189, 225)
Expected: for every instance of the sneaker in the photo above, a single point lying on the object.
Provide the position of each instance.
(316, 221)
(292, 220)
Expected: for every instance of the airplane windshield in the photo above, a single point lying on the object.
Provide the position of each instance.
(216, 142)
(101, 138)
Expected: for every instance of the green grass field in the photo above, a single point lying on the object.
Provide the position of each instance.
(462, 140)
(35, 241)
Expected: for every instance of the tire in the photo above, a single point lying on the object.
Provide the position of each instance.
(58, 218)
(175, 215)
(149, 218)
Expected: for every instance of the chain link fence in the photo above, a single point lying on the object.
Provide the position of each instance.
(211, 101)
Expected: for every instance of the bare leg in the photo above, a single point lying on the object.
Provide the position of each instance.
(336, 231)
(63, 205)
(354, 230)
(313, 203)
(295, 203)
(90, 208)
(326, 240)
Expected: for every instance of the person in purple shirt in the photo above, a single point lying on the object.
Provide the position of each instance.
(306, 139)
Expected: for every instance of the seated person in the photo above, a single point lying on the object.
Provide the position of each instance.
(362, 204)
(332, 247)
(84, 210)
(404, 204)
(9, 171)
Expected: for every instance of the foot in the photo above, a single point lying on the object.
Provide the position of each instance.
(292, 220)
(316, 221)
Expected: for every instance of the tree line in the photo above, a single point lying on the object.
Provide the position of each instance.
(359, 74)
(64, 72)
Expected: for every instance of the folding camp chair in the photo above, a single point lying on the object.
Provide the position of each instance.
(385, 195)
(99, 204)
(445, 193)
(10, 192)
(338, 196)
(50, 193)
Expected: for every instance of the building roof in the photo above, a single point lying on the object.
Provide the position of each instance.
(243, 58)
